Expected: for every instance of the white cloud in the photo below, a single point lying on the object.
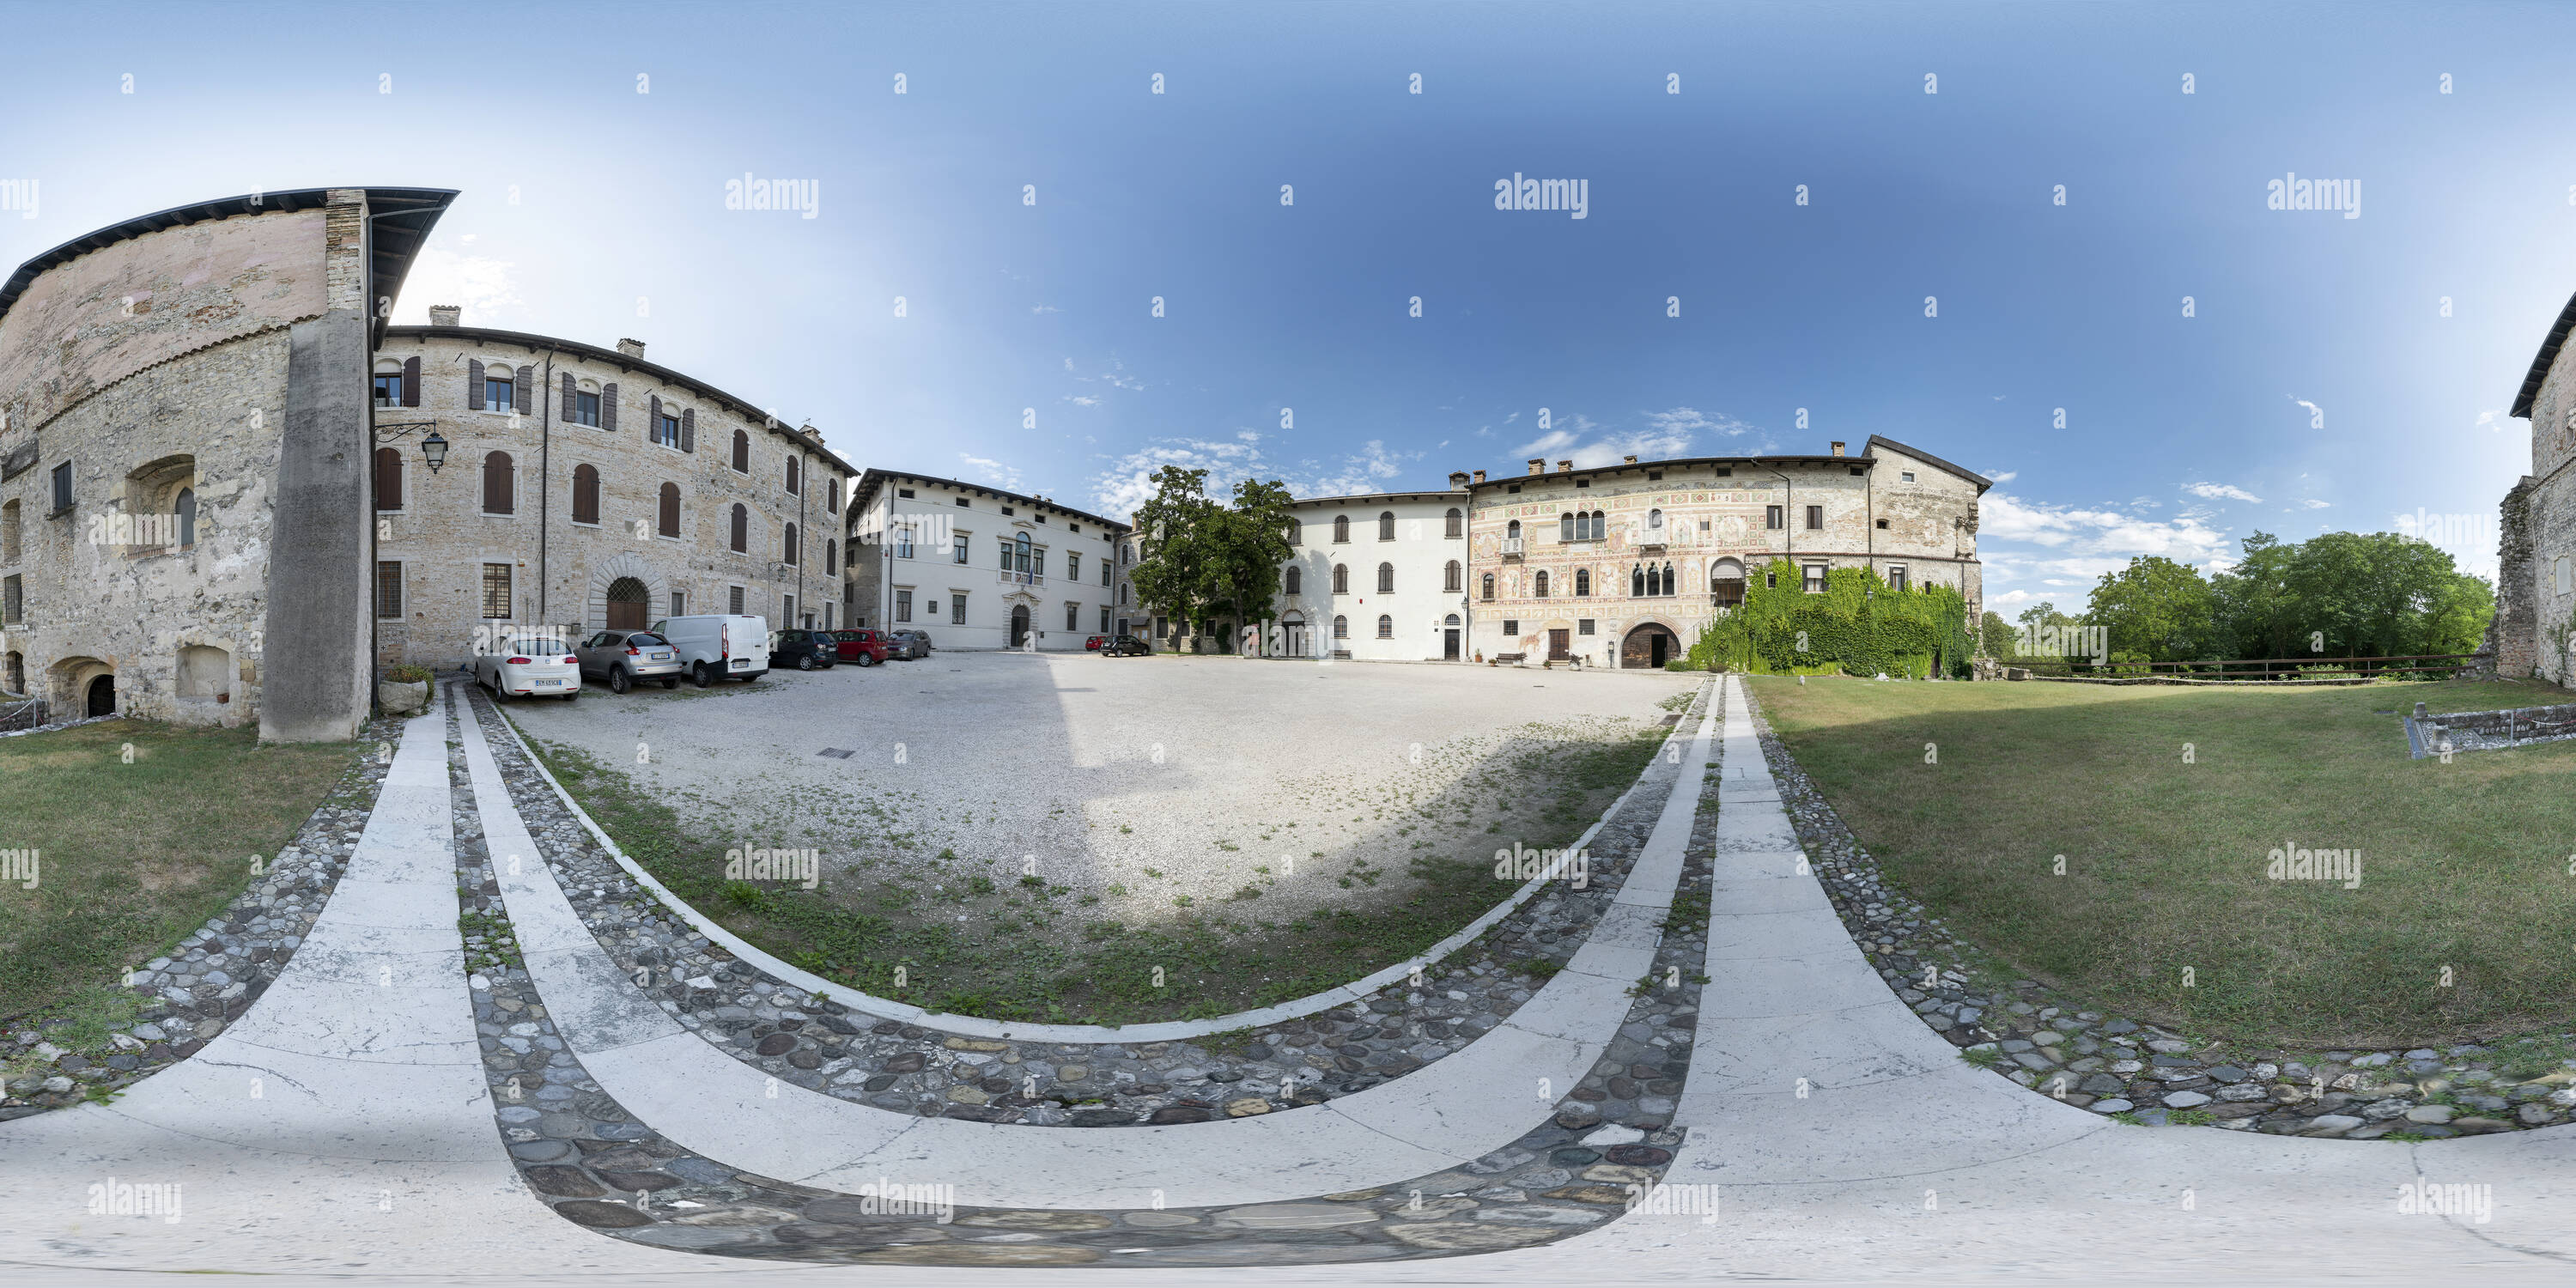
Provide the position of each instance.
(1129, 480)
(1046, 308)
(2006, 477)
(2492, 421)
(474, 283)
(2315, 504)
(1684, 421)
(2313, 409)
(2220, 492)
(2101, 534)
(994, 471)
(1082, 400)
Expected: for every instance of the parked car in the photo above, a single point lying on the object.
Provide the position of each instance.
(1127, 646)
(1096, 643)
(531, 666)
(920, 641)
(867, 648)
(715, 646)
(804, 650)
(624, 657)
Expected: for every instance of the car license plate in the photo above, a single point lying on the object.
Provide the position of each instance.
(549, 684)
(658, 657)
(742, 664)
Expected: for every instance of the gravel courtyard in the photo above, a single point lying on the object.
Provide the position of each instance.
(1179, 793)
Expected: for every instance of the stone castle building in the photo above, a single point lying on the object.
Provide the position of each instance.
(229, 490)
(978, 567)
(2536, 532)
(1616, 565)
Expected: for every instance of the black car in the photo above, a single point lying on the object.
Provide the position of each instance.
(804, 650)
(1127, 646)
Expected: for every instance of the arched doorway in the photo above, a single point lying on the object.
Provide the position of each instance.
(1651, 644)
(1292, 631)
(1019, 625)
(102, 696)
(1449, 639)
(1726, 585)
(628, 603)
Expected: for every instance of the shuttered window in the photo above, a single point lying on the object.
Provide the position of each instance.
(411, 382)
(608, 408)
(791, 475)
(787, 544)
(670, 521)
(585, 494)
(499, 491)
(741, 530)
(689, 430)
(473, 384)
(741, 452)
(525, 388)
(389, 479)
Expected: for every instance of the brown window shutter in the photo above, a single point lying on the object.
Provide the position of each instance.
(497, 498)
(473, 384)
(523, 390)
(653, 418)
(388, 479)
(670, 509)
(608, 408)
(741, 530)
(570, 411)
(689, 430)
(585, 495)
(411, 382)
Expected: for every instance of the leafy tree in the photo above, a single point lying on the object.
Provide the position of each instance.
(1199, 556)
(2348, 594)
(1995, 634)
(1247, 545)
(2156, 607)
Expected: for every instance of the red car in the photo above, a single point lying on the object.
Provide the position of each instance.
(867, 648)
(1096, 643)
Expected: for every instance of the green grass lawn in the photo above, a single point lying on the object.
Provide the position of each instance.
(135, 856)
(2463, 926)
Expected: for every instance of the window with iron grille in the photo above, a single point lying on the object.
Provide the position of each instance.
(389, 588)
(496, 591)
(13, 600)
(733, 600)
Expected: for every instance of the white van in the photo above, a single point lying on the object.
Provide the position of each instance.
(714, 646)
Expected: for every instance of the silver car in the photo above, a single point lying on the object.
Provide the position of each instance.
(918, 640)
(627, 656)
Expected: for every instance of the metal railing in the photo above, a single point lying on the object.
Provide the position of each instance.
(2261, 668)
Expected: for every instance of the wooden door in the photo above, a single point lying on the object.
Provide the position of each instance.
(1556, 641)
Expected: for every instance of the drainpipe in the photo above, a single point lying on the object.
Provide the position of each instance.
(545, 476)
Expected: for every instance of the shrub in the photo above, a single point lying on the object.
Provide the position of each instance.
(2127, 664)
(408, 673)
(1858, 625)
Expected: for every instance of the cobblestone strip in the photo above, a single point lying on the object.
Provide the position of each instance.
(1601, 1151)
(2147, 1073)
(211, 978)
(823, 1045)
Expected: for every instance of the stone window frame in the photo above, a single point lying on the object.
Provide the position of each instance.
(1293, 580)
(733, 601)
(1511, 627)
(509, 378)
(1341, 627)
(1811, 578)
(676, 417)
(483, 490)
(1897, 578)
(1386, 579)
(1072, 615)
(1583, 625)
(1341, 579)
(956, 607)
(402, 480)
(384, 367)
(376, 590)
(585, 387)
(1341, 529)
(13, 524)
(1386, 626)
(960, 549)
(1386, 525)
(1815, 518)
(679, 513)
(509, 591)
(598, 498)
(903, 603)
(63, 479)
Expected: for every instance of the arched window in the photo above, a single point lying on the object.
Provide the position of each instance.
(1386, 579)
(1488, 586)
(1341, 579)
(1541, 585)
(1457, 524)
(499, 496)
(585, 494)
(1341, 528)
(1654, 580)
(1386, 526)
(1513, 532)
(741, 452)
(1450, 577)
(1600, 525)
(1385, 627)
(793, 481)
(831, 555)
(389, 479)
(787, 544)
(669, 524)
(832, 496)
(1566, 529)
(1341, 628)
(187, 510)
(1669, 587)
(1582, 582)
(1636, 580)
(741, 530)
(1295, 578)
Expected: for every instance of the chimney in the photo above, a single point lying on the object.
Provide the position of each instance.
(1565, 467)
(1632, 460)
(1457, 480)
(1838, 449)
(443, 314)
(635, 349)
(1538, 465)
(1480, 476)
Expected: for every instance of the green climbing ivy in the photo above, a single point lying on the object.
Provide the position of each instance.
(1858, 624)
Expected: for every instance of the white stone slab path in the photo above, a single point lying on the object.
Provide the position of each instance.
(1449, 1112)
(340, 1126)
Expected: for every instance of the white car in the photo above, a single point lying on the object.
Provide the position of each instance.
(532, 667)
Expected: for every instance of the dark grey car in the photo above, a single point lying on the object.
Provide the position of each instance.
(917, 643)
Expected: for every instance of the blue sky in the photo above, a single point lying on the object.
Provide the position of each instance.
(592, 211)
